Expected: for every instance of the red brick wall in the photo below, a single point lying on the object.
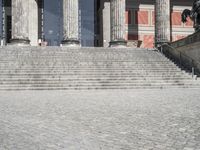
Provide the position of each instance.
(176, 18)
(145, 18)
(141, 17)
(148, 41)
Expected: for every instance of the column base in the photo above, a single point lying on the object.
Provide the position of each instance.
(71, 43)
(20, 42)
(159, 44)
(118, 43)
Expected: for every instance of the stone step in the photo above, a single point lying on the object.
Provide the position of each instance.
(98, 70)
(73, 66)
(66, 61)
(86, 57)
(51, 61)
(92, 86)
(93, 73)
(86, 73)
(36, 84)
(88, 64)
(95, 76)
(98, 88)
(10, 68)
(98, 78)
(71, 82)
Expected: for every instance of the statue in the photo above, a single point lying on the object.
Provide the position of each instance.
(194, 14)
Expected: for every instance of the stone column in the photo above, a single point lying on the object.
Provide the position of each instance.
(20, 23)
(70, 23)
(33, 24)
(162, 22)
(118, 28)
(104, 23)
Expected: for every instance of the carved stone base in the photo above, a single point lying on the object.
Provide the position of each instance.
(71, 42)
(118, 43)
(20, 42)
(160, 43)
(134, 43)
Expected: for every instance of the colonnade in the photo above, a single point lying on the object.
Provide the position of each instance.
(20, 25)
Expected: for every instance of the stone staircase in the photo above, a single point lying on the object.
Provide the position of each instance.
(56, 68)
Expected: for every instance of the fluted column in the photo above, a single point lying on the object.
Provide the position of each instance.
(117, 14)
(70, 23)
(20, 23)
(162, 22)
(33, 23)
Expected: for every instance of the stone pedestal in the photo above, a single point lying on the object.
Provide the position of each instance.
(20, 23)
(70, 23)
(117, 12)
(162, 22)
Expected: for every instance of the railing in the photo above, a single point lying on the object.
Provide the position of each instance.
(184, 61)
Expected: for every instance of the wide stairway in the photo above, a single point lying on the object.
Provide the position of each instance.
(56, 68)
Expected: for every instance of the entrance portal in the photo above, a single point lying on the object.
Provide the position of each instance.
(53, 22)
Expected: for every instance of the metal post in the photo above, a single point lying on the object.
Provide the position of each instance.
(161, 49)
(193, 72)
(180, 61)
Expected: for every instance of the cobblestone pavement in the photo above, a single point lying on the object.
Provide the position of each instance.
(100, 120)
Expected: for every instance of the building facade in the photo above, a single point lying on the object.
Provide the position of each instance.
(93, 22)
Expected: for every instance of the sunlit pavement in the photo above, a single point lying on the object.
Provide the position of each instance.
(100, 120)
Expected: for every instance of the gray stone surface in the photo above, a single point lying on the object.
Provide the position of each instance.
(117, 17)
(33, 22)
(100, 120)
(105, 22)
(70, 20)
(162, 21)
(88, 68)
(20, 17)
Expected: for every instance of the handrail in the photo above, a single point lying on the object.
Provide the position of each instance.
(193, 63)
(181, 53)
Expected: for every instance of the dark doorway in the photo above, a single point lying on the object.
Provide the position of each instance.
(7, 21)
(53, 22)
(8, 29)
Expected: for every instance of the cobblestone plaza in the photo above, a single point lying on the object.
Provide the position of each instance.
(100, 120)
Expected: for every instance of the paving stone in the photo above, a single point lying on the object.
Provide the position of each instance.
(100, 119)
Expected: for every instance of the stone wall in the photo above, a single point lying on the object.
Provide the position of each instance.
(186, 51)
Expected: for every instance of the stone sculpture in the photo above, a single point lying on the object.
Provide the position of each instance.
(193, 14)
